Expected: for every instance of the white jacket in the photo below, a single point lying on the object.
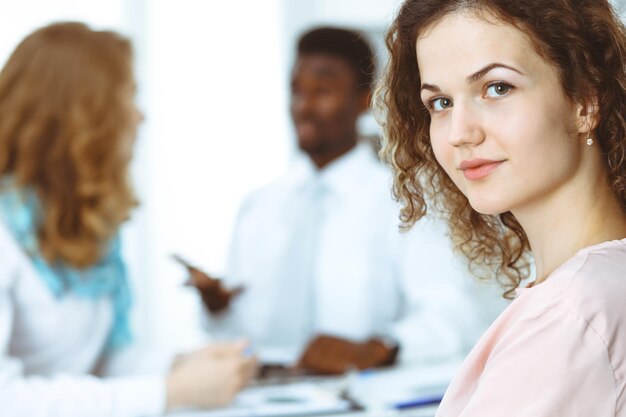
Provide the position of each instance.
(49, 346)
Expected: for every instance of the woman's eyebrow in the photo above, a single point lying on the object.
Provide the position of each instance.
(430, 87)
(474, 77)
(485, 70)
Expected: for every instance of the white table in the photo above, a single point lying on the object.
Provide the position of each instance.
(422, 412)
(374, 390)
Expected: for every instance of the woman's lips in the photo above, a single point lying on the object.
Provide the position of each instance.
(478, 168)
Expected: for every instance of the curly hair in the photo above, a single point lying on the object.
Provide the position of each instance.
(586, 43)
(65, 131)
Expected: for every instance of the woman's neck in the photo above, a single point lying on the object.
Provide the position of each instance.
(561, 225)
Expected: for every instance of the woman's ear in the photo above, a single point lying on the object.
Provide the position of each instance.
(588, 115)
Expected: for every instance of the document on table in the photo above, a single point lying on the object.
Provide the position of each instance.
(299, 399)
(401, 388)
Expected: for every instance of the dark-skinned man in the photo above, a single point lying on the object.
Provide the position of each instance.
(322, 277)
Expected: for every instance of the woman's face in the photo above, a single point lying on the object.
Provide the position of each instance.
(501, 125)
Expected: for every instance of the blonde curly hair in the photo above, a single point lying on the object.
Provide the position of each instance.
(65, 132)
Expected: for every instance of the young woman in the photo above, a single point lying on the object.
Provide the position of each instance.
(508, 118)
(67, 130)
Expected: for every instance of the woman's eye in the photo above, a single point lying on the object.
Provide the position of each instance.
(440, 104)
(498, 90)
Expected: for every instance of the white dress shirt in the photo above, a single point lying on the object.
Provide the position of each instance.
(48, 347)
(363, 278)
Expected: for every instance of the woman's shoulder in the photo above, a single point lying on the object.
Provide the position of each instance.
(596, 272)
(589, 288)
(600, 275)
(597, 294)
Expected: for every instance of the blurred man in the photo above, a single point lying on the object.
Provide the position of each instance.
(318, 264)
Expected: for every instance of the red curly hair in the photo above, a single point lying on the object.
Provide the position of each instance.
(66, 130)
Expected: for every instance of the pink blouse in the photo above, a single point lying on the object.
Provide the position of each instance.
(558, 350)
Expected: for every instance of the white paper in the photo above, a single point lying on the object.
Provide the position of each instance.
(299, 399)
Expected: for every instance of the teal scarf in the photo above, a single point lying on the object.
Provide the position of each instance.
(20, 212)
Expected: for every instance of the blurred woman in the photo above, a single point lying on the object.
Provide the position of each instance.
(67, 132)
(508, 118)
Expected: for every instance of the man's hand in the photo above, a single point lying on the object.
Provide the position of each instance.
(215, 297)
(333, 355)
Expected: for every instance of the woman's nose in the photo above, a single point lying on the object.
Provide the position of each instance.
(466, 127)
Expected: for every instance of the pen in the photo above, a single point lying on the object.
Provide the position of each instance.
(420, 402)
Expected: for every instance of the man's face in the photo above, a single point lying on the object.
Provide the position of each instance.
(325, 103)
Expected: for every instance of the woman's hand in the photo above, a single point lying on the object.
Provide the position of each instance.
(209, 377)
